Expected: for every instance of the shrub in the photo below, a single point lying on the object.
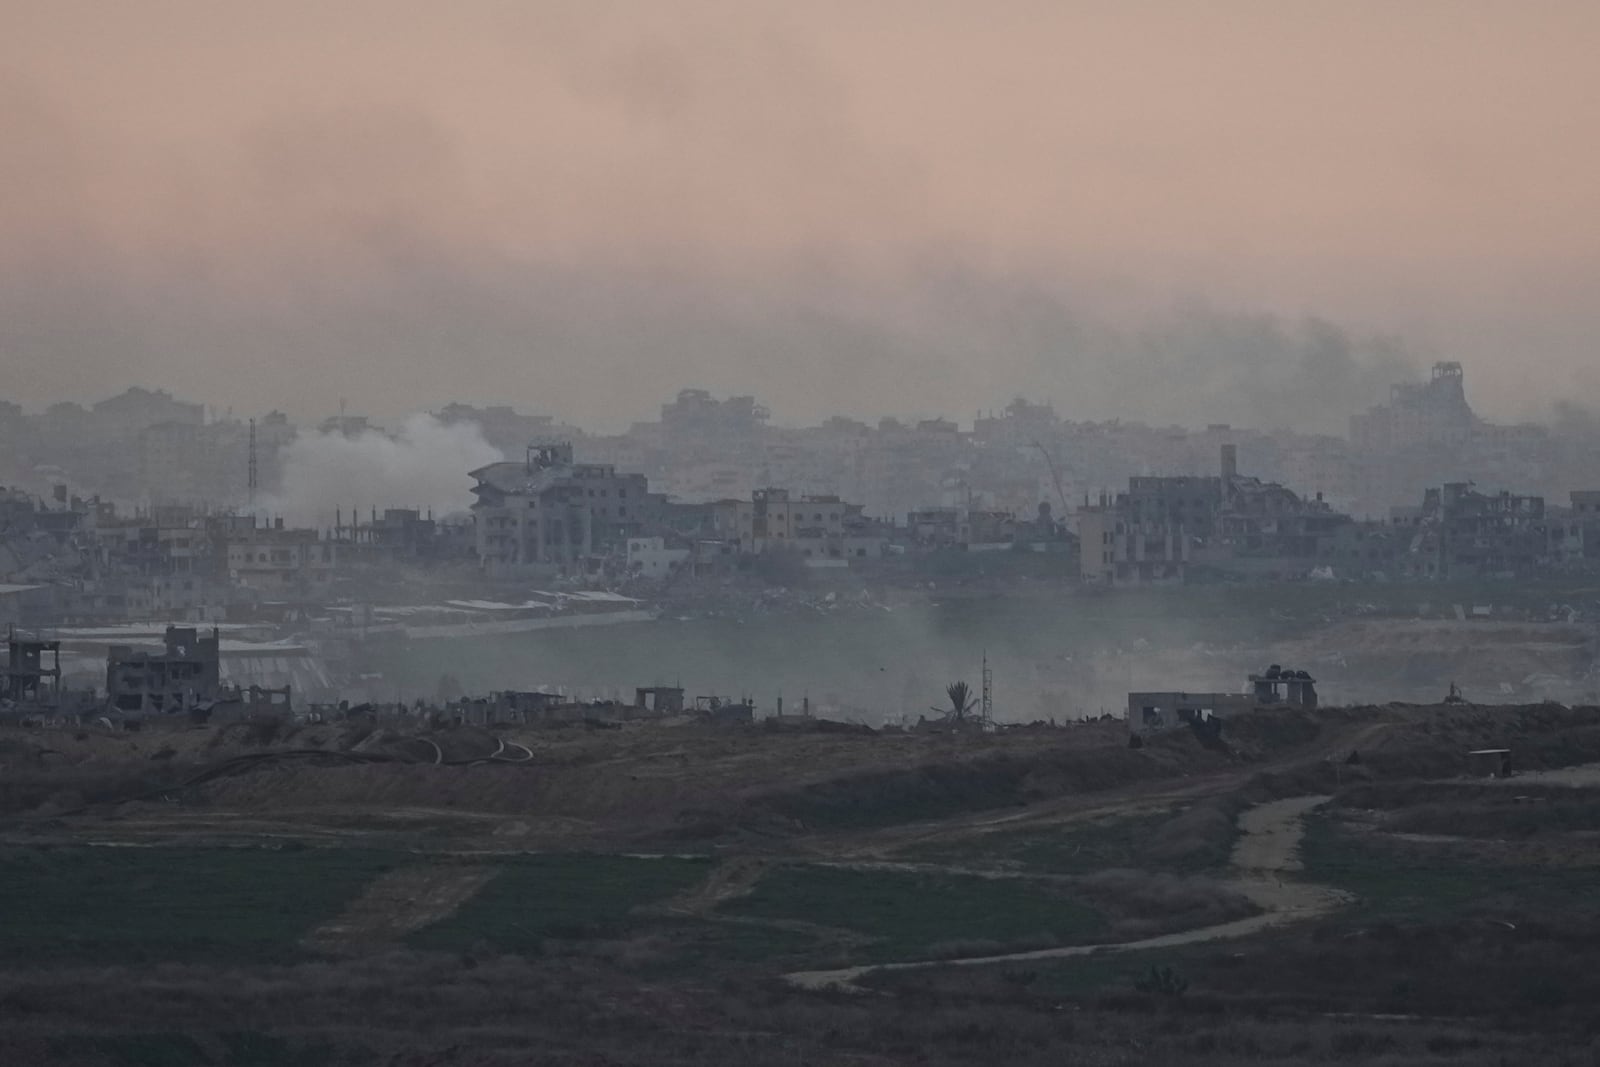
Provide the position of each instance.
(1161, 980)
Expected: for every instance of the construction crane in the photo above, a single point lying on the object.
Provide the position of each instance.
(1055, 476)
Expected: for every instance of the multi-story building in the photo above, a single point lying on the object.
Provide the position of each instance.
(1116, 548)
(818, 527)
(697, 412)
(1574, 531)
(279, 561)
(654, 557)
(1230, 523)
(551, 511)
(1428, 435)
(1482, 535)
(1434, 412)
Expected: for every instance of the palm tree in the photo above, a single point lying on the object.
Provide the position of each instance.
(961, 702)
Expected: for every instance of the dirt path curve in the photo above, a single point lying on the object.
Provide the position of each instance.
(398, 902)
(1268, 848)
(733, 877)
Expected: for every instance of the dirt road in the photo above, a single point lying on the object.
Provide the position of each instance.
(1583, 775)
(1267, 850)
(729, 879)
(397, 903)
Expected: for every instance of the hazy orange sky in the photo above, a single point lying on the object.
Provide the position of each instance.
(1128, 208)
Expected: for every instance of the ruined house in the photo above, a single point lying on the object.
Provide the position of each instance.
(661, 699)
(1152, 712)
(33, 671)
(1462, 533)
(184, 676)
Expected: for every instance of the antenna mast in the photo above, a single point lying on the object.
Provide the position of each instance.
(988, 691)
(253, 476)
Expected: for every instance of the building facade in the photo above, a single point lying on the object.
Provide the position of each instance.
(551, 511)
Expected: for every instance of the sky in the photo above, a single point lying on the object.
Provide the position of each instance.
(1259, 212)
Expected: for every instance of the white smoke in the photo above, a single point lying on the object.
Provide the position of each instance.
(423, 466)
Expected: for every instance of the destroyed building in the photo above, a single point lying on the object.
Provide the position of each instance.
(1462, 533)
(1574, 531)
(33, 671)
(550, 510)
(185, 675)
(1229, 524)
(1152, 712)
(662, 699)
(282, 562)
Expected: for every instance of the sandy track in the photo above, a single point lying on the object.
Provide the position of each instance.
(1269, 848)
(733, 877)
(397, 903)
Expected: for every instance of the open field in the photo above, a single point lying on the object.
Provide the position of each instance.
(1320, 888)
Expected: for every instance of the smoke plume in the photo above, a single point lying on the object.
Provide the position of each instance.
(424, 465)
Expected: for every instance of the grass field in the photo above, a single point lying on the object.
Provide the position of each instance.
(568, 897)
(135, 904)
(238, 1048)
(128, 905)
(1477, 946)
(1398, 881)
(907, 915)
(1132, 841)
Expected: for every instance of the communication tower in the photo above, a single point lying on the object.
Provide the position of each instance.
(987, 706)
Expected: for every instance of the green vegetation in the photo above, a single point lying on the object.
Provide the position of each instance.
(909, 915)
(1408, 881)
(1171, 841)
(682, 947)
(570, 896)
(1541, 814)
(135, 904)
(940, 790)
(241, 1049)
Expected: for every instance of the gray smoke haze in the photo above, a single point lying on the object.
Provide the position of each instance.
(909, 208)
(421, 466)
(607, 347)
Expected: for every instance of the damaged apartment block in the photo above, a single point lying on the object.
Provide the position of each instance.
(187, 675)
(27, 678)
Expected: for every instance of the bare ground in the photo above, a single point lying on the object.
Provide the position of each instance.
(397, 903)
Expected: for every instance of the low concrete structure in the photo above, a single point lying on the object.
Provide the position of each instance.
(661, 699)
(1157, 710)
(725, 711)
(1489, 763)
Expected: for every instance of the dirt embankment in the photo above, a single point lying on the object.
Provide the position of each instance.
(649, 786)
